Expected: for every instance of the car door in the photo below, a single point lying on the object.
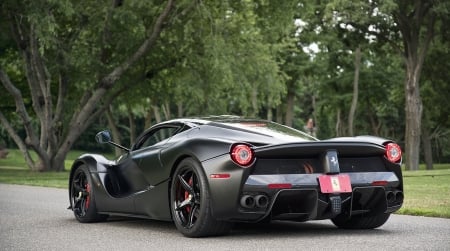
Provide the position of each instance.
(146, 152)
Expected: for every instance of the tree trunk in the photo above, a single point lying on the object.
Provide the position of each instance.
(279, 117)
(269, 114)
(290, 106)
(375, 124)
(131, 121)
(31, 139)
(19, 142)
(413, 118)
(338, 123)
(254, 102)
(157, 114)
(116, 137)
(148, 119)
(427, 149)
(416, 22)
(351, 114)
(180, 109)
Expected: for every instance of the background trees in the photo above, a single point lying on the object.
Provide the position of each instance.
(69, 68)
(54, 37)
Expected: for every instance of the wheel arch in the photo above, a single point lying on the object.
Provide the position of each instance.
(93, 162)
(89, 160)
(194, 149)
(199, 149)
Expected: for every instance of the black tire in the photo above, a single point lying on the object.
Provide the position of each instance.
(189, 202)
(360, 221)
(82, 199)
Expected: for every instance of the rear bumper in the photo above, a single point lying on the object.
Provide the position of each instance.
(310, 180)
(244, 196)
(298, 197)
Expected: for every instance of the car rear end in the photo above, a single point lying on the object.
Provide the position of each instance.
(321, 180)
(284, 174)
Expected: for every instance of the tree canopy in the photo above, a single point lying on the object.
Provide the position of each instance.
(69, 68)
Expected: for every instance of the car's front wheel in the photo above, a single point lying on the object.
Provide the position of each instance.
(82, 199)
(360, 221)
(189, 198)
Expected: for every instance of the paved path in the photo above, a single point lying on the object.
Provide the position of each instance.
(35, 218)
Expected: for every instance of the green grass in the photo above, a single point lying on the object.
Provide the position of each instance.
(13, 170)
(16, 159)
(435, 167)
(427, 192)
(23, 176)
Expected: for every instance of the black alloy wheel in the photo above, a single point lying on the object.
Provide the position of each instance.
(82, 198)
(190, 206)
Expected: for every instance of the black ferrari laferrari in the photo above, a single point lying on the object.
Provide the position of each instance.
(205, 174)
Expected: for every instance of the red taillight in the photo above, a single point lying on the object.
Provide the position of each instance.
(220, 176)
(393, 152)
(379, 183)
(242, 155)
(280, 186)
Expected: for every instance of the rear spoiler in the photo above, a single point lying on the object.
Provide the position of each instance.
(311, 149)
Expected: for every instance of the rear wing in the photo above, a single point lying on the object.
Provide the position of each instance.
(313, 149)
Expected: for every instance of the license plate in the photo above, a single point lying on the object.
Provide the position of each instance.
(339, 183)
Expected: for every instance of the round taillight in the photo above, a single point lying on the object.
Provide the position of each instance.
(242, 155)
(393, 152)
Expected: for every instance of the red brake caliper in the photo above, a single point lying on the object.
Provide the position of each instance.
(88, 198)
(186, 196)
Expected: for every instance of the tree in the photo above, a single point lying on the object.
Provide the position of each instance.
(434, 90)
(416, 22)
(199, 57)
(57, 30)
(408, 26)
(300, 65)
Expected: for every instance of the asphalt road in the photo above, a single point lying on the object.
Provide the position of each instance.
(35, 218)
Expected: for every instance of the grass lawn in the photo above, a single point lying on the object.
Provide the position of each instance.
(427, 193)
(13, 170)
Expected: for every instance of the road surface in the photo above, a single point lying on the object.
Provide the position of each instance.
(35, 218)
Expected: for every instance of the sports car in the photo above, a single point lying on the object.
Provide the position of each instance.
(205, 174)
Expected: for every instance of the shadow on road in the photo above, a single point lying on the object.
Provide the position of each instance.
(303, 229)
(254, 230)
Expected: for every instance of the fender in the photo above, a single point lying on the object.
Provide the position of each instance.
(97, 165)
(95, 162)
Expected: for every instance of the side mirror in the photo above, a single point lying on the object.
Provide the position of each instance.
(103, 137)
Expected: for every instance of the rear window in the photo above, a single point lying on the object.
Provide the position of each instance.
(271, 129)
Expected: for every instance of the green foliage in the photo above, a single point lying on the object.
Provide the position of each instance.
(231, 57)
(216, 60)
(435, 84)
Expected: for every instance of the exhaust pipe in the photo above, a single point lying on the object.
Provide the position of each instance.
(261, 200)
(390, 196)
(248, 201)
(399, 196)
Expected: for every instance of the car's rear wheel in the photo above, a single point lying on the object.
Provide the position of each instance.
(360, 221)
(190, 202)
(82, 197)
